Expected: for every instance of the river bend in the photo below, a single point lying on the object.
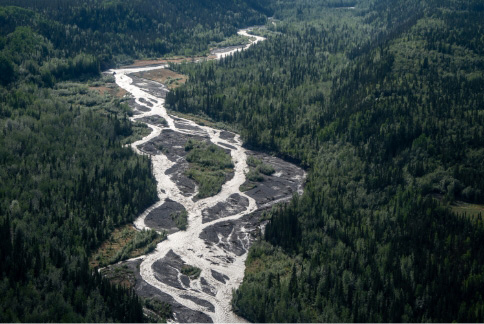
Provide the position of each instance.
(220, 228)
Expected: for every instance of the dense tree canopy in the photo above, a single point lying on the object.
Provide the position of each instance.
(121, 30)
(384, 104)
(66, 180)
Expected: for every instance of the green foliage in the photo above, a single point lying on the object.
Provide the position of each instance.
(259, 166)
(138, 131)
(208, 155)
(210, 183)
(253, 161)
(384, 105)
(232, 41)
(146, 240)
(209, 166)
(6, 70)
(162, 309)
(181, 219)
(66, 182)
(254, 175)
(109, 29)
(191, 271)
(266, 169)
(256, 171)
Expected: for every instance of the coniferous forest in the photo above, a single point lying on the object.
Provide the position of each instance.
(66, 180)
(382, 101)
(384, 106)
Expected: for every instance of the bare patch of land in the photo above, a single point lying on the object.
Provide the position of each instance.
(203, 121)
(165, 76)
(176, 59)
(115, 91)
(470, 210)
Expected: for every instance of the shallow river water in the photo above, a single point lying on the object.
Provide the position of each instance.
(220, 228)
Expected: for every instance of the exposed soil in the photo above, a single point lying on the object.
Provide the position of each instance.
(182, 124)
(181, 313)
(165, 76)
(115, 91)
(160, 218)
(225, 49)
(170, 143)
(286, 180)
(168, 269)
(229, 136)
(218, 276)
(146, 63)
(201, 302)
(154, 88)
(232, 206)
(153, 120)
(234, 236)
(220, 228)
(137, 108)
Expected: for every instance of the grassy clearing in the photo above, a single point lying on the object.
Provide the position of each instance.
(470, 210)
(191, 271)
(124, 243)
(168, 77)
(104, 91)
(209, 166)
(105, 96)
(106, 86)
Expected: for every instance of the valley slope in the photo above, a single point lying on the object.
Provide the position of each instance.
(383, 102)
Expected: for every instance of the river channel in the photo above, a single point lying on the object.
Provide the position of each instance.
(220, 228)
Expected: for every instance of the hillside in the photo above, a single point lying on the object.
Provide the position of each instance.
(66, 179)
(117, 31)
(383, 104)
(381, 101)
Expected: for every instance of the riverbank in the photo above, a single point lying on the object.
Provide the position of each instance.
(220, 227)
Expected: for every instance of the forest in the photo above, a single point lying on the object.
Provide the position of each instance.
(382, 101)
(383, 104)
(66, 183)
(67, 180)
(119, 31)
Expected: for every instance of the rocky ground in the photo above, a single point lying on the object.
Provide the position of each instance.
(196, 270)
(280, 186)
(161, 219)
